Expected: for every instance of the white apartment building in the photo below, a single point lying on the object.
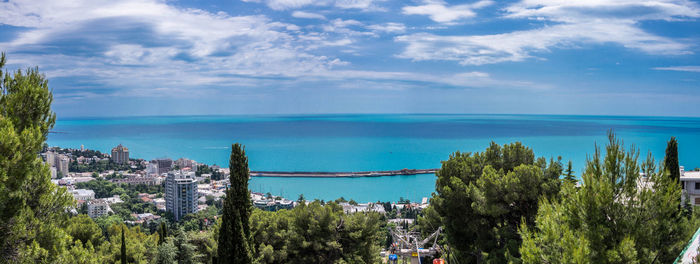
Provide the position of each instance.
(97, 208)
(181, 193)
(83, 194)
(690, 181)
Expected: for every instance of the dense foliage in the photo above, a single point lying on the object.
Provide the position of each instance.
(205, 169)
(615, 216)
(482, 198)
(101, 166)
(315, 233)
(104, 188)
(32, 209)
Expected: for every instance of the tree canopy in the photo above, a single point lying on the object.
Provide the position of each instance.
(31, 207)
(615, 216)
(481, 199)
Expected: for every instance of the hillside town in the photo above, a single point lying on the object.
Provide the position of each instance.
(177, 187)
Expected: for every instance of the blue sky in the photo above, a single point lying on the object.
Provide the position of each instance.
(154, 57)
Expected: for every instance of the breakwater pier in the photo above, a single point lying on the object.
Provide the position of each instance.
(317, 174)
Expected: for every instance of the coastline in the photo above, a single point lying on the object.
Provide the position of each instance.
(304, 174)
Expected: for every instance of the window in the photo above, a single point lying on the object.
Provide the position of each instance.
(697, 186)
(697, 201)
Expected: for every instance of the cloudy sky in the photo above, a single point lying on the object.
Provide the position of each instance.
(176, 57)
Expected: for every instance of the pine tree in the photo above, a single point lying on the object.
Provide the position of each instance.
(610, 218)
(481, 199)
(569, 176)
(31, 207)
(234, 235)
(123, 256)
(186, 253)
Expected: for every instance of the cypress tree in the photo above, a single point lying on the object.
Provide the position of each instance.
(123, 257)
(235, 229)
(671, 160)
(671, 165)
(162, 233)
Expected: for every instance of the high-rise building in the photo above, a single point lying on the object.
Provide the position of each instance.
(181, 193)
(50, 157)
(62, 163)
(120, 154)
(164, 165)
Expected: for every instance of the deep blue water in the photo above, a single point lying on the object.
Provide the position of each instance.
(368, 142)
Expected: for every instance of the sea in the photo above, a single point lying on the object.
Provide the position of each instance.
(364, 142)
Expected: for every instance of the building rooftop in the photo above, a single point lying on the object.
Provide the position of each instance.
(690, 175)
(120, 148)
(83, 192)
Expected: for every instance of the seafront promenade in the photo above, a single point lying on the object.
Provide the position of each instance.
(341, 174)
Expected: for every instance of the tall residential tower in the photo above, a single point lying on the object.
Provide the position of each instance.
(181, 193)
(120, 154)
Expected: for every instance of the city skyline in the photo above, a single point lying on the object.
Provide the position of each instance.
(133, 58)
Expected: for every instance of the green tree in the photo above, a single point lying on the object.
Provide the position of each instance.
(123, 248)
(315, 233)
(569, 173)
(204, 244)
(141, 247)
(162, 232)
(615, 216)
(671, 160)
(167, 253)
(185, 251)
(32, 209)
(84, 229)
(234, 235)
(482, 198)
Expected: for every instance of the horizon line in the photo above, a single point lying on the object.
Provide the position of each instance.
(367, 114)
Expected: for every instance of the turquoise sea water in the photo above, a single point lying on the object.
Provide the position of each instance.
(368, 142)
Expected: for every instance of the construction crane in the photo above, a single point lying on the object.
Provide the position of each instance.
(409, 247)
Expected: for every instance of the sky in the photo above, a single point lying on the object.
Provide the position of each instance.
(199, 57)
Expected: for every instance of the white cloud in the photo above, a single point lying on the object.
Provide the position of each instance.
(187, 51)
(344, 27)
(178, 47)
(464, 79)
(358, 4)
(367, 5)
(679, 68)
(289, 4)
(440, 12)
(302, 14)
(576, 23)
(579, 11)
(390, 27)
